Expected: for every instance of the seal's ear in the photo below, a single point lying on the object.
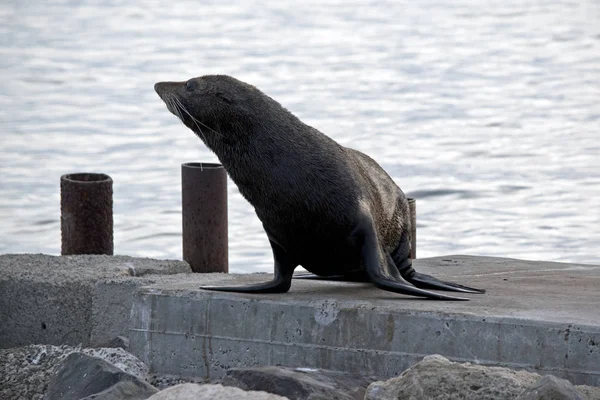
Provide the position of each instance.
(224, 97)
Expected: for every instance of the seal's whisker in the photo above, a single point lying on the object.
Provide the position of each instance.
(208, 127)
(194, 119)
(175, 108)
(171, 106)
(179, 107)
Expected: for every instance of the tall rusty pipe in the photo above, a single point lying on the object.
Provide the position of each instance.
(204, 216)
(412, 204)
(86, 220)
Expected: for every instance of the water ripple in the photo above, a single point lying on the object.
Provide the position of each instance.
(487, 113)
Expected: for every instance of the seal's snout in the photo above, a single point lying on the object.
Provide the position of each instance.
(163, 88)
(158, 87)
(165, 92)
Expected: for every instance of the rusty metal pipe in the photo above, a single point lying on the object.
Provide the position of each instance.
(86, 220)
(204, 216)
(412, 204)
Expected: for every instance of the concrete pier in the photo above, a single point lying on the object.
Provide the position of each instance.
(79, 299)
(539, 316)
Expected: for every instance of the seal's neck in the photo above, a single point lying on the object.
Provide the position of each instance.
(270, 150)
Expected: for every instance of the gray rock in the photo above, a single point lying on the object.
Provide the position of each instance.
(162, 382)
(26, 371)
(130, 390)
(82, 375)
(589, 392)
(192, 391)
(551, 388)
(437, 378)
(299, 383)
(120, 359)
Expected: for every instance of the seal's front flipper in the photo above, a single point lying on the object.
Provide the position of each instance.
(382, 270)
(274, 286)
(281, 283)
(429, 282)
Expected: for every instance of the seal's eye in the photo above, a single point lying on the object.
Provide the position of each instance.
(189, 86)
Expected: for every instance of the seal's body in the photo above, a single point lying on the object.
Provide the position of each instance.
(331, 209)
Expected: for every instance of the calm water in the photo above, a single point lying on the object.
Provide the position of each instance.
(487, 112)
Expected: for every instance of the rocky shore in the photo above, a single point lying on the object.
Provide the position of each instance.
(46, 372)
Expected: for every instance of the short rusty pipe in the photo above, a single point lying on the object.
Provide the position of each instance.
(204, 216)
(86, 213)
(412, 204)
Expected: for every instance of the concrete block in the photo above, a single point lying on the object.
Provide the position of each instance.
(111, 307)
(71, 299)
(529, 319)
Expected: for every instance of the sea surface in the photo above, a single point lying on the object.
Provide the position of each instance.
(486, 112)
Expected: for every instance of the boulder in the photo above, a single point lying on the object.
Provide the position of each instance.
(125, 390)
(589, 392)
(193, 391)
(165, 381)
(435, 377)
(81, 375)
(26, 371)
(299, 383)
(121, 359)
(551, 388)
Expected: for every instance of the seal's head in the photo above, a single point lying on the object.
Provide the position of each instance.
(218, 108)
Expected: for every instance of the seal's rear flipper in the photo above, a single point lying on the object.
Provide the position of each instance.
(403, 263)
(429, 282)
(383, 272)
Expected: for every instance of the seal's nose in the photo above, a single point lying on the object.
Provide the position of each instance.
(157, 86)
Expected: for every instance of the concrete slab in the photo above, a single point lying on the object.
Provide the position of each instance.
(539, 316)
(72, 299)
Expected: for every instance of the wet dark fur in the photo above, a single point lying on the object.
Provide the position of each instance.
(310, 192)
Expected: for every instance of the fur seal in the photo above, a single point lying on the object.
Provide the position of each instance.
(331, 209)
